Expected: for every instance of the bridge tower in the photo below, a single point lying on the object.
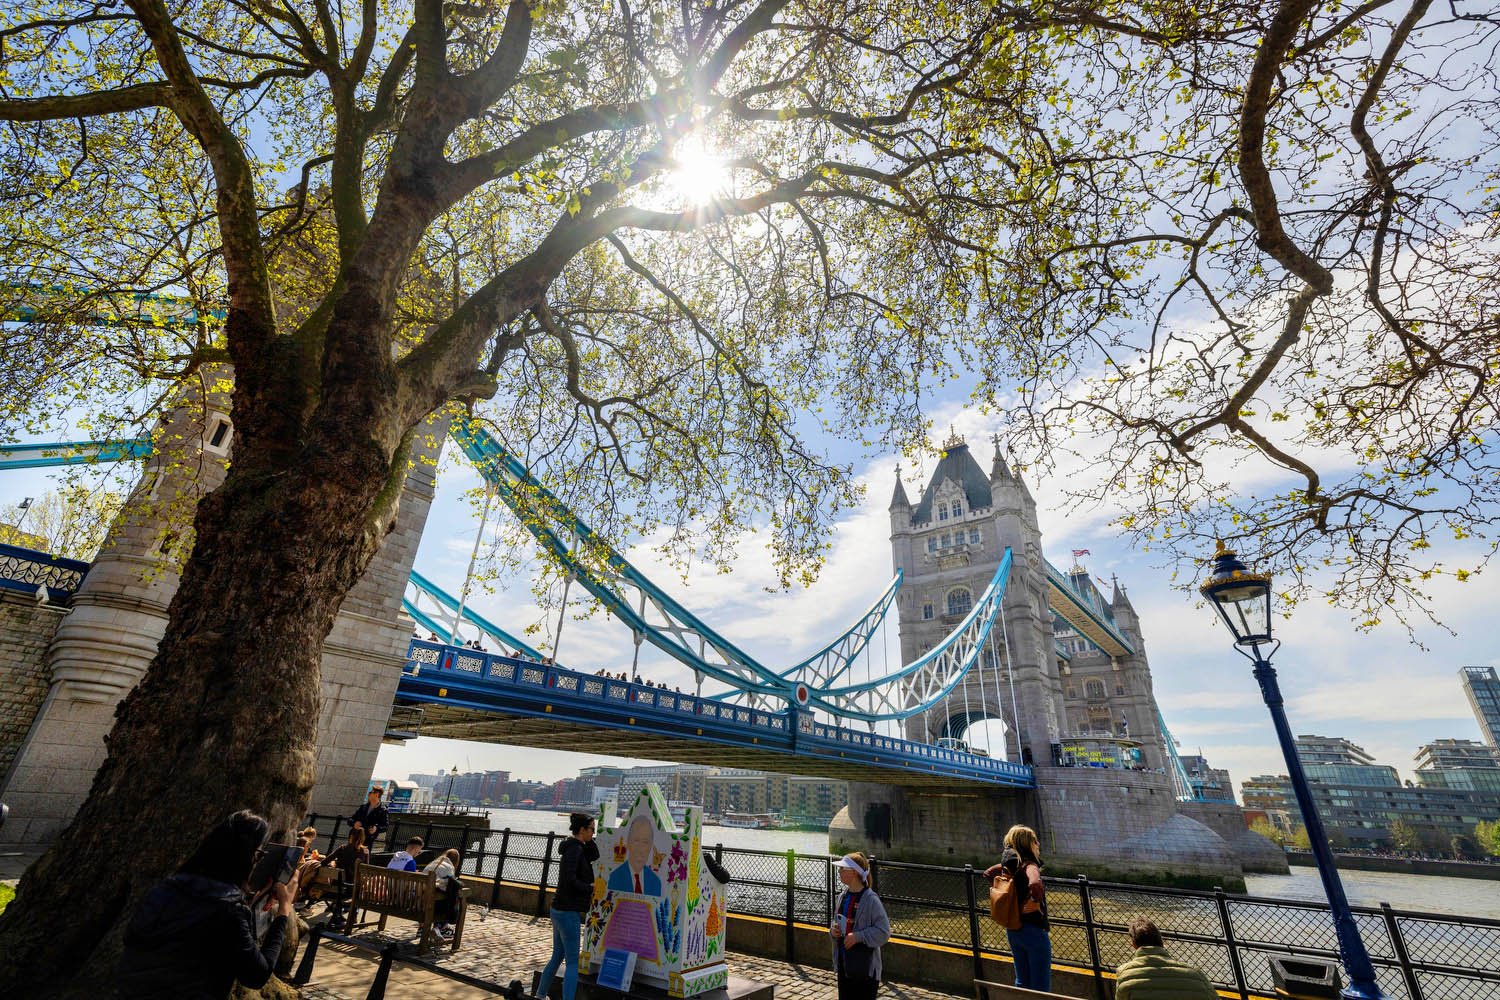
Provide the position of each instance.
(104, 644)
(1109, 823)
(947, 547)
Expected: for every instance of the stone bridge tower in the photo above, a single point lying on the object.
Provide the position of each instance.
(1046, 687)
(108, 638)
(948, 546)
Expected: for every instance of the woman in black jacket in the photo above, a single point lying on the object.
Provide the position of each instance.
(193, 934)
(575, 890)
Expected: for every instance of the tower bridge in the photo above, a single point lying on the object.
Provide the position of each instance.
(989, 630)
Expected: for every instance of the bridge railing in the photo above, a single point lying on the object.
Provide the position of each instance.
(479, 670)
(1418, 956)
(25, 571)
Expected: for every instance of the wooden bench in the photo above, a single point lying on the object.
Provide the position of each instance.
(985, 989)
(407, 896)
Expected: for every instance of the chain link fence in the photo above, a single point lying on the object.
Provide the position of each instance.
(1417, 956)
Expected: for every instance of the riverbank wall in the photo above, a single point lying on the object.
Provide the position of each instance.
(1403, 866)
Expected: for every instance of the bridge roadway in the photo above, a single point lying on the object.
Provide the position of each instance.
(468, 694)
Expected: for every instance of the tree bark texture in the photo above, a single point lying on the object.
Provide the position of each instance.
(226, 716)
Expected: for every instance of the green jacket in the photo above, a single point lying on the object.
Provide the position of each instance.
(1153, 974)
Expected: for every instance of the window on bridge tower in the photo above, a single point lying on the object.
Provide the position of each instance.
(926, 611)
(932, 545)
(1094, 689)
(959, 601)
(973, 536)
(947, 539)
(942, 512)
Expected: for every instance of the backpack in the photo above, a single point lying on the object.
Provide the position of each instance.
(1005, 900)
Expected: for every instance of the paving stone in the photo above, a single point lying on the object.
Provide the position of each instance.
(500, 946)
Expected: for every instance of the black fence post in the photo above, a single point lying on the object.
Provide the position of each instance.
(1230, 943)
(973, 920)
(464, 847)
(500, 869)
(874, 873)
(1398, 942)
(427, 839)
(310, 955)
(541, 885)
(830, 893)
(791, 906)
(1092, 932)
(377, 988)
(333, 838)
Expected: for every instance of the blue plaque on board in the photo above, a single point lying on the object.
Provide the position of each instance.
(616, 970)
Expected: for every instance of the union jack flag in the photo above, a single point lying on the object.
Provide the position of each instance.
(1081, 552)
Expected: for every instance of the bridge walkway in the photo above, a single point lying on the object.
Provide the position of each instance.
(473, 695)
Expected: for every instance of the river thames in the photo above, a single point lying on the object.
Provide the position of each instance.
(1424, 893)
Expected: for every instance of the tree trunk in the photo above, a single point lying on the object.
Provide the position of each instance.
(226, 716)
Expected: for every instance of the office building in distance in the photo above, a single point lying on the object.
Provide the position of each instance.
(1483, 689)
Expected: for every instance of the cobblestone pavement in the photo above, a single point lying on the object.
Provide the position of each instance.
(502, 946)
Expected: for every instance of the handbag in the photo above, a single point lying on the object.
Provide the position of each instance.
(1005, 900)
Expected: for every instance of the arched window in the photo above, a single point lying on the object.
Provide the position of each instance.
(942, 512)
(926, 611)
(973, 536)
(959, 601)
(958, 508)
(1094, 688)
(932, 545)
(947, 539)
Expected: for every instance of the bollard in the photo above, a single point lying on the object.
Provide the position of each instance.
(305, 968)
(383, 974)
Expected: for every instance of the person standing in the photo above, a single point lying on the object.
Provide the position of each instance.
(860, 927)
(575, 890)
(1153, 974)
(371, 817)
(1030, 947)
(193, 935)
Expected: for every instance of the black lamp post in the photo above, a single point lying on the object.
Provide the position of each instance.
(1243, 600)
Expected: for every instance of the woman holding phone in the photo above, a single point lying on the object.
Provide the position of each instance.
(193, 935)
(860, 927)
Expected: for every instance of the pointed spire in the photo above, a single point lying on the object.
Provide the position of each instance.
(1118, 599)
(999, 471)
(898, 498)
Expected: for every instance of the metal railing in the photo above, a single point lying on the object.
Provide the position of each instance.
(27, 571)
(1417, 956)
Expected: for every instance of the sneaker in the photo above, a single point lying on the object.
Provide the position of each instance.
(445, 931)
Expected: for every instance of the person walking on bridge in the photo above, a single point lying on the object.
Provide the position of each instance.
(1030, 947)
(1153, 974)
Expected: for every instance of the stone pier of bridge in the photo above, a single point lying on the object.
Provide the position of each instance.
(63, 674)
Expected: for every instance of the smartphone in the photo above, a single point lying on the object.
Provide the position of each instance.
(277, 864)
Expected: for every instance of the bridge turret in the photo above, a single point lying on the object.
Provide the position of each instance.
(999, 471)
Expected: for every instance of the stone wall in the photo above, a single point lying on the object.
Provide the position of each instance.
(1125, 826)
(929, 826)
(1256, 853)
(26, 628)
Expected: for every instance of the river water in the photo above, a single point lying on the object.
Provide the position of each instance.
(1424, 893)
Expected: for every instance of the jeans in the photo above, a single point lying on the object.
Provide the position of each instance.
(566, 925)
(1031, 949)
(857, 989)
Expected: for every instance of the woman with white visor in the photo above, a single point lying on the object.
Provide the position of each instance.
(860, 927)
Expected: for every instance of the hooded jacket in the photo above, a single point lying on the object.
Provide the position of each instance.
(575, 875)
(1153, 974)
(190, 938)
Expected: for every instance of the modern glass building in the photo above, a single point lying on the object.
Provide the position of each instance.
(1459, 764)
(1483, 688)
(1359, 799)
